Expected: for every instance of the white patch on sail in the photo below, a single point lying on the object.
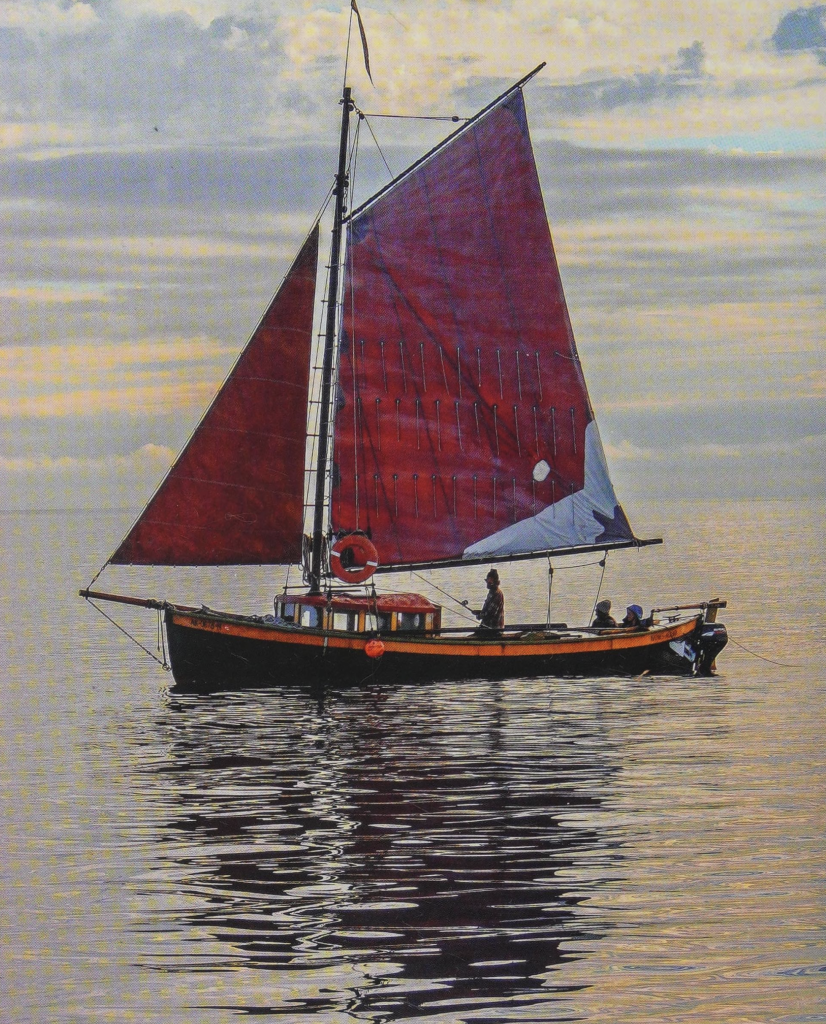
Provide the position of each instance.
(541, 471)
(569, 522)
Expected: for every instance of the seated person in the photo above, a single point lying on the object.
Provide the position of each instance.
(603, 619)
(633, 618)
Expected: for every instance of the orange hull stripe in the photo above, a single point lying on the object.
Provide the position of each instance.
(431, 646)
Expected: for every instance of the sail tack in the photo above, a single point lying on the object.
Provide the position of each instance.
(464, 427)
(235, 495)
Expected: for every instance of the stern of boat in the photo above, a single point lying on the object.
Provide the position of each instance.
(711, 638)
(697, 652)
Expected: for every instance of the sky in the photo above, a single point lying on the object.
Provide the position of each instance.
(161, 161)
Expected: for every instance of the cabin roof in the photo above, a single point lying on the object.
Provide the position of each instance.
(360, 602)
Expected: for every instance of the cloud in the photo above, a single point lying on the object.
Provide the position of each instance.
(62, 291)
(682, 161)
(802, 30)
(138, 71)
(153, 398)
(775, 450)
(110, 73)
(149, 378)
(45, 481)
(283, 179)
(685, 76)
(152, 457)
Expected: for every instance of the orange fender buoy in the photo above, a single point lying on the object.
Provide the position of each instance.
(374, 648)
(353, 558)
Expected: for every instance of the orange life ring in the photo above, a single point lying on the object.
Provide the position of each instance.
(353, 558)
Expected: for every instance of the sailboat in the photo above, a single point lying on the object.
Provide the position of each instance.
(454, 428)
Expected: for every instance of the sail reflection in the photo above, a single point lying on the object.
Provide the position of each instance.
(393, 854)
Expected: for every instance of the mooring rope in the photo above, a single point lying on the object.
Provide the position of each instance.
(780, 664)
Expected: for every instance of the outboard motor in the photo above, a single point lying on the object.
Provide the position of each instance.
(711, 637)
(709, 640)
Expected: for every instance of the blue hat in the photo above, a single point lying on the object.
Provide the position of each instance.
(635, 608)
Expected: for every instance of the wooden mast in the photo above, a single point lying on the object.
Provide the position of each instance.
(329, 349)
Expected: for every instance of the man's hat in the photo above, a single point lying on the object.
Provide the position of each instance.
(493, 575)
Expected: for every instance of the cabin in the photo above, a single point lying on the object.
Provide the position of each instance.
(359, 613)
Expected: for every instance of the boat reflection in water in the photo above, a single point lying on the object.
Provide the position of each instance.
(393, 853)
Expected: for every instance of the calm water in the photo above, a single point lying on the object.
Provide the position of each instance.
(603, 851)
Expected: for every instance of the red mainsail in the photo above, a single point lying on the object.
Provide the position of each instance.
(235, 495)
(463, 411)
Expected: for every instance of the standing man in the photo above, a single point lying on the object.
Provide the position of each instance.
(492, 614)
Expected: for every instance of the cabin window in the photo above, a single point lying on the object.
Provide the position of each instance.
(344, 620)
(411, 620)
(309, 615)
(288, 611)
(383, 622)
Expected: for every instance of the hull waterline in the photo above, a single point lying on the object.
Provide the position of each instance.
(209, 649)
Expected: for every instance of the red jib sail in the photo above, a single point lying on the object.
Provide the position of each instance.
(236, 493)
(464, 427)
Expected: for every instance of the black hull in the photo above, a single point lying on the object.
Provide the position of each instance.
(206, 659)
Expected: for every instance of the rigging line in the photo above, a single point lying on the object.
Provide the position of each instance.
(550, 588)
(339, 299)
(348, 263)
(430, 583)
(323, 208)
(352, 159)
(419, 117)
(780, 664)
(313, 427)
(579, 565)
(97, 574)
(378, 147)
(603, 561)
(162, 636)
(347, 50)
(125, 632)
